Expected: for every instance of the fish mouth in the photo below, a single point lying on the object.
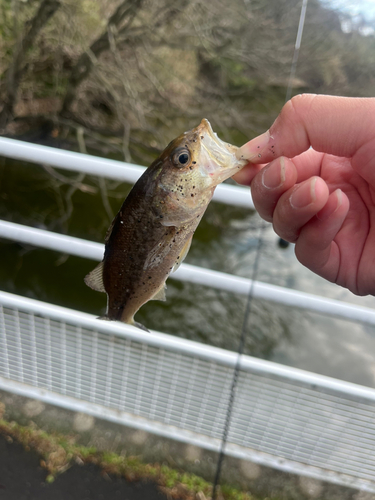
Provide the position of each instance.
(205, 127)
(220, 161)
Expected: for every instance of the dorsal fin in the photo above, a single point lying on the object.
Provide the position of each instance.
(95, 279)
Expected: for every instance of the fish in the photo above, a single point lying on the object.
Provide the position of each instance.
(152, 232)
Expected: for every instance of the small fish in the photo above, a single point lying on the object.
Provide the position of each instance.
(151, 235)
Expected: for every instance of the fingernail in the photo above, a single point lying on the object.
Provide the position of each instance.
(274, 175)
(253, 149)
(303, 195)
(333, 203)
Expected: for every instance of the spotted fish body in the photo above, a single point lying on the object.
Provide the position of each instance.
(151, 234)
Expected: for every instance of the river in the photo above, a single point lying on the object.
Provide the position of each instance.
(226, 240)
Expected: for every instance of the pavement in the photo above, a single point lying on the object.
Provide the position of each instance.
(23, 478)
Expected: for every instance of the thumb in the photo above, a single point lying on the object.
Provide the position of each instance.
(340, 126)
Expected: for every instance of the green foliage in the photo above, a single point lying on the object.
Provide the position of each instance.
(58, 451)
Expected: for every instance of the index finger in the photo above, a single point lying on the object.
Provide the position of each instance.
(336, 125)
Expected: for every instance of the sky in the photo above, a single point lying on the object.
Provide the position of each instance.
(355, 7)
(359, 10)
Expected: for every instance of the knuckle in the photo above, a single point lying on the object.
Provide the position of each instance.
(296, 108)
(285, 233)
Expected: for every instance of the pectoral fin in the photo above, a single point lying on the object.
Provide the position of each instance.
(110, 229)
(182, 254)
(158, 253)
(95, 279)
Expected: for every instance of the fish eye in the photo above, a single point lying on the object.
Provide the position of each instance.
(181, 158)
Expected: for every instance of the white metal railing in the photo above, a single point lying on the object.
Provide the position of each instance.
(195, 274)
(102, 167)
(282, 417)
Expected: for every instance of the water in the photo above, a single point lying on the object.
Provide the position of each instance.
(226, 240)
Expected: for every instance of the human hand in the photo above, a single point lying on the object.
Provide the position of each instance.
(320, 198)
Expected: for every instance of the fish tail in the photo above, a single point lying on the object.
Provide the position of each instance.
(105, 318)
(135, 323)
(139, 325)
(130, 322)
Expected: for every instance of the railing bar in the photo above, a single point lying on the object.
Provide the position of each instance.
(79, 362)
(307, 409)
(47, 330)
(204, 397)
(194, 274)
(157, 386)
(140, 379)
(177, 365)
(63, 358)
(304, 413)
(4, 341)
(255, 438)
(108, 381)
(94, 371)
(192, 349)
(103, 167)
(19, 347)
(312, 425)
(33, 349)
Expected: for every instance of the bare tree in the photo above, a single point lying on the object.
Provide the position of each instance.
(120, 20)
(14, 73)
(153, 65)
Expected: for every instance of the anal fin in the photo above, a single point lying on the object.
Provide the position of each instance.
(160, 294)
(95, 279)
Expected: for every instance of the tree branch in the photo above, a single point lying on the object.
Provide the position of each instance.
(125, 12)
(15, 71)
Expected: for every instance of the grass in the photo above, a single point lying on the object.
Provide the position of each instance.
(58, 452)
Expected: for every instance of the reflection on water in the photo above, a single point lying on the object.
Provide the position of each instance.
(226, 240)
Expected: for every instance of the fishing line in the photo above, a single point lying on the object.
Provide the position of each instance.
(237, 367)
(293, 69)
(297, 46)
(250, 296)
